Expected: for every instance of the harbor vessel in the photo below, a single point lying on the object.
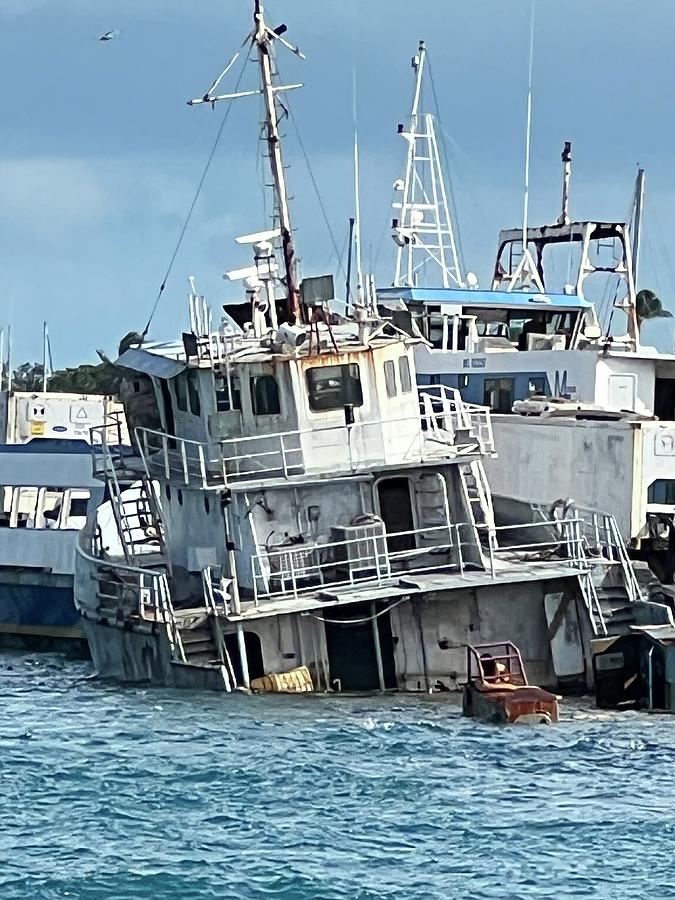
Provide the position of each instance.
(47, 487)
(295, 503)
(583, 413)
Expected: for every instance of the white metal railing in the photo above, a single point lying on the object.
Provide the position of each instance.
(216, 593)
(292, 570)
(137, 591)
(107, 444)
(445, 428)
(605, 546)
(194, 463)
(446, 404)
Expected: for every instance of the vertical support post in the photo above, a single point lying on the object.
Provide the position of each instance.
(378, 648)
(183, 454)
(165, 450)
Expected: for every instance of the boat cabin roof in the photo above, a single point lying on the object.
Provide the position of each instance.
(467, 297)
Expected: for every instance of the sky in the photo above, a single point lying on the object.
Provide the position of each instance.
(100, 156)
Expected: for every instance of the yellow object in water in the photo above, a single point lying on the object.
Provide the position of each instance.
(297, 681)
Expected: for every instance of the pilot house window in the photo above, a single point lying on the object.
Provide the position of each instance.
(265, 396)
(404, 375)
(390, 378)
(334, 387)
(193, 393)
(498, 394)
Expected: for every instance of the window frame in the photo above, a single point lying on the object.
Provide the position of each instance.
(351, 387)
(254, 382)
(404, 367)
(180, 393)
(497, 382)
(390, 378)
(195, 401)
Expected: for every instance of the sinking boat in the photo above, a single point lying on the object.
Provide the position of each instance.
(497, 689)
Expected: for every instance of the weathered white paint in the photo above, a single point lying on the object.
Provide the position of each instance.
(544, 460)
(566, 643)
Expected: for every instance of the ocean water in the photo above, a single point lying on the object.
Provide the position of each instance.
(112, 793)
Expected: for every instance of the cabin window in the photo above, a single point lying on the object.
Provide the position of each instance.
(436, 329)
(228, 393)
(404, 374)
(179, 494)
(207, 505)
(390, 378)
(536, 384)
(334, 387)
(179, 391)
(193, 393)
(167, 491)
(661, 491)
(265, 396)
(498, 394)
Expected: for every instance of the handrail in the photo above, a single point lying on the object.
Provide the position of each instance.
(209, 464)
(291, 570)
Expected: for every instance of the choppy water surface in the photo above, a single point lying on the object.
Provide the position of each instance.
(126, 793)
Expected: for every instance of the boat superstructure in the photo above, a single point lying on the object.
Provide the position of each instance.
(596, 407)
(297, 510)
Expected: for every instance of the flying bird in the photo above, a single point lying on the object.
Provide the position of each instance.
(109, 35)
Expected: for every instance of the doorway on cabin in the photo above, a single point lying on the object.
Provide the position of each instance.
(394, 504)
(254, 657)
(352, 652)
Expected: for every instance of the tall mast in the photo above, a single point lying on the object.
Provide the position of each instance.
(263, 39)
(424, 232)
(636, 235)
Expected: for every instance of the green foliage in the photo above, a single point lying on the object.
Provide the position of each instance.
(104, 378)
(648, 306)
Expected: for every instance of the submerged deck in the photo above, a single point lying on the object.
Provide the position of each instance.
(404, 586)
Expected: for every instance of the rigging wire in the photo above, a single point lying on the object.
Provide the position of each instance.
(195, 198)
(315, 185)
(359, 621)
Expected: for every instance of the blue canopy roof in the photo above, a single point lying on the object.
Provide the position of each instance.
(467, 297)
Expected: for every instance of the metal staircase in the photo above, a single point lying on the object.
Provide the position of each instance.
(132, 496)
(478, 493)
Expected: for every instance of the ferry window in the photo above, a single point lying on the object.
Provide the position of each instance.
(661, 491)
(78, 506)
(265, 396)
(536, 385)
(225, 402)
(436, 331)
(498, 394)
(334, 387)
(207, 505)
(179, 391)
(193, 392)
(404, 374)
(179, 494)
(390, 378)
(167, 491)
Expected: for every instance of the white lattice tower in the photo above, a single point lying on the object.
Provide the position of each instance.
(424, 230)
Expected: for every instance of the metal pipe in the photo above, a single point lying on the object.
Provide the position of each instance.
(650, 678)
(378, 648)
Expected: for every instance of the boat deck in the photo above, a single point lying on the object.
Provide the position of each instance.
(400, 587)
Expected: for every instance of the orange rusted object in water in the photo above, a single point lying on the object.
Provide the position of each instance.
(497, 689)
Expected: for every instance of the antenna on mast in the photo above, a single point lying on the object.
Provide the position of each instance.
(636, 221)
(357, 204)
(566, 156)
(424, 230)
(527, 274)
(263, 39)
